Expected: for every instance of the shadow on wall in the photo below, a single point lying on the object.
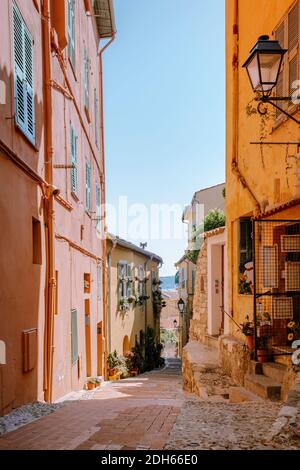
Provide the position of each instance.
(22, 251)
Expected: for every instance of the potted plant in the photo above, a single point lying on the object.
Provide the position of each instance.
(112, 363)
(90, 383)
(247, 329)
(133, 362)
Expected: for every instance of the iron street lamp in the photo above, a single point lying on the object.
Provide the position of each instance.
(263, 68)
(180, 305)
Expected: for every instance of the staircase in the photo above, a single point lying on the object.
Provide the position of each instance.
(265, 379)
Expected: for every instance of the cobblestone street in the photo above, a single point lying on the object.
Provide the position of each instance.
(151, 412)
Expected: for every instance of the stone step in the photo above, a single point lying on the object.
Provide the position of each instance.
(241, 394)
(263, 386)
(274, 371)
(283, 359)
(255, 367)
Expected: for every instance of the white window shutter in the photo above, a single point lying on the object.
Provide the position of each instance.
(86, 79)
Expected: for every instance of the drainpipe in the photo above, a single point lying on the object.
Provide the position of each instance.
(235, 105)
(103, 210)
(50, 274)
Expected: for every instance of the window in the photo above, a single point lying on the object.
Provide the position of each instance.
(23, 76)
(36, 242)
(141, 275)
(88, 186)
(74, 337)
(98, 207)
(86, 79)
(96, 105)
(122, 274)
(245, 256)
(87, 283)
(99, 282)
(74, 170)
(71, 31)
(287, 33)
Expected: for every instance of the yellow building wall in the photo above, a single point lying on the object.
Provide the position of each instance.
(261, 166)
(132, 321)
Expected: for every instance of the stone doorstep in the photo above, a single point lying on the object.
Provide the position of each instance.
(274, 371)
(240, 394)
(263, 386)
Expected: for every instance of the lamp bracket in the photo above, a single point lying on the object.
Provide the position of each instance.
(271, 100)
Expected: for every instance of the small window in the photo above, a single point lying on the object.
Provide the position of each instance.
(245, 257)
(23, 76)
(122, 279)
(88, 186)
(71, 31)
(87, 283)
(74, 337)
(36, 242)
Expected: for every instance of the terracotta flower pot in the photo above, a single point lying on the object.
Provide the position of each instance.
(111, 372)
(250, 342)
(90, 385)
(262, 355)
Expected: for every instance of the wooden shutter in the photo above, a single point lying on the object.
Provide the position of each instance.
(74, 176)
(23, 76)
(279, 34)
(71, 31)
(74, 336)
(293, 74)
(86, 79)
(293, 27)
(88, 186)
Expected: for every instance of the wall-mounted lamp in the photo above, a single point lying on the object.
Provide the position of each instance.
(263, 68)
(175, 323)
(181, 305)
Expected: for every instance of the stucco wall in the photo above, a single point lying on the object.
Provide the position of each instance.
(198, 324)
(137, 318)
(262, 167)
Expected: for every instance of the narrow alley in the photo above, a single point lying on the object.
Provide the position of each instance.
(150, 412)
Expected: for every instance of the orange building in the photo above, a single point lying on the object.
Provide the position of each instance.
(52, 190)
(262, 181)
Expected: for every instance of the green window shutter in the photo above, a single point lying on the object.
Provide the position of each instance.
(88, 186)
(23, 76)
(99, 282)
(98, 207)
(71, 31)
(74, 336)
(86, 79)
(96, 105)
(74, 176)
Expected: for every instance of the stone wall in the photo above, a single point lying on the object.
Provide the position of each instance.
(198, 324)
(234, 358)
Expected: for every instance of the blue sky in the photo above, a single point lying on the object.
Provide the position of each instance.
(164, 86)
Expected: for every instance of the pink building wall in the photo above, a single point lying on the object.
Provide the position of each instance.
(22, 281)
(77, 244)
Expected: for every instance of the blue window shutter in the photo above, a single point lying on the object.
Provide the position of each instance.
(23, 76)
(88, 185)
(71, 31)
(74, 336)
(74, 178)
